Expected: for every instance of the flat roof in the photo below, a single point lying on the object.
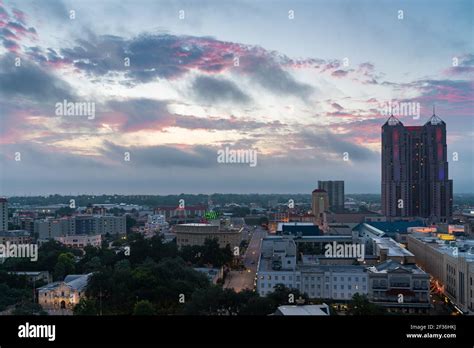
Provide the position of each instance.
(304, 310)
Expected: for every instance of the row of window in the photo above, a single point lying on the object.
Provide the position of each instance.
(313, 278)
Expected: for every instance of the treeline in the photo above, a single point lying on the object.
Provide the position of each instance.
(158, 200)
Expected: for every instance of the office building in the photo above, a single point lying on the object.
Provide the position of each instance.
(80, 225)
(3, 214)
(335, 190)
(415, 180)
(51, 228)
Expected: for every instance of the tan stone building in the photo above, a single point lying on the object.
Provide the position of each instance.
(63, 295)
(197, 233)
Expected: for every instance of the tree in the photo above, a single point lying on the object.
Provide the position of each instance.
(257, 305)
(86, 307)
(64, 266)
(282, 295)
(130, 222)
(360, 305)
(28, 308)
(143, 307)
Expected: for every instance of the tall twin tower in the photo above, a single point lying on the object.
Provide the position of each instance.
(415, 181)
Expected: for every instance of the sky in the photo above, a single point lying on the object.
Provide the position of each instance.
(303, 84)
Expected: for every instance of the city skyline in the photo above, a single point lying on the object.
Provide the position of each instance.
(171, 84)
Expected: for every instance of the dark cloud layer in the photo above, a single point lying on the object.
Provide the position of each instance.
(31, 81)
(217, 90)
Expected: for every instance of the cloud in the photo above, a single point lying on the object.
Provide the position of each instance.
(218, 90)
(329, 145)
(31, 81)
(464, 66)
(163, 156)
(132, 115)
(339, 73)
(267, 73)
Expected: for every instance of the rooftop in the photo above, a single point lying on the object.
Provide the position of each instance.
(395, 226)
(394, 248)
(322, 309)
(75, 281)
(391, 266)
(15, 233)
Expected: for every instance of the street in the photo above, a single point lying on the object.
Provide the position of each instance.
(240, 280)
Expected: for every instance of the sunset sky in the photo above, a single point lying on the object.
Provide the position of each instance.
(304, 91)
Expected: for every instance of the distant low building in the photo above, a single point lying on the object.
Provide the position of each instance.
(189, 211)
(298, 229)
(65, 294)
(15, 237)
(80, 241)
(197, 233)
(35, 276)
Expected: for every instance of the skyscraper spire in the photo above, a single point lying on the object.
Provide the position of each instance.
(434, 110)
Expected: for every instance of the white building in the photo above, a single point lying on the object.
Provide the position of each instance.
(156, 223)
(277, 265)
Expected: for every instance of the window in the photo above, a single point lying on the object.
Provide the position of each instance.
(335, 279)
(357, 279)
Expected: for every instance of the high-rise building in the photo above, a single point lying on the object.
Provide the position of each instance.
(335, 190)
(415, 180)
(319, 204)
(3, 214)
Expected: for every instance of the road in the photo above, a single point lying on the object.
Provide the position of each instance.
(240, 280)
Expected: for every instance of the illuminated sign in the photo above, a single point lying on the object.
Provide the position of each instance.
(211, 215)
